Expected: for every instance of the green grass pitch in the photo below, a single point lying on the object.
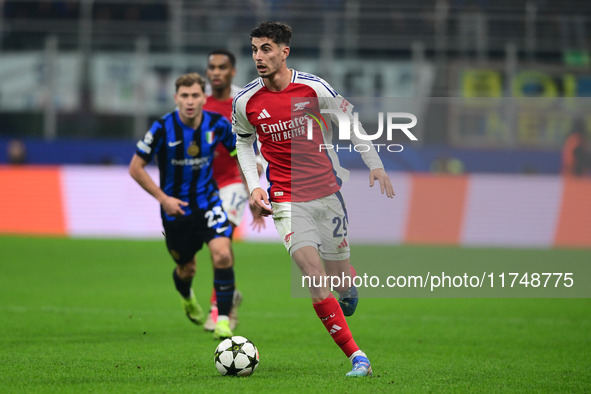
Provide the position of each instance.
(85, 315)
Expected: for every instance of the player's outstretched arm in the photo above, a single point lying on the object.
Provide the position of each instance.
(385, 185)
(259, 203)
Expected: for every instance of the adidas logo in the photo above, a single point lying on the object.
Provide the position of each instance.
(344, 243)
(335, 329)
(264, 114)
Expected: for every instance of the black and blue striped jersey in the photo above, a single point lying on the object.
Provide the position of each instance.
(185, 157)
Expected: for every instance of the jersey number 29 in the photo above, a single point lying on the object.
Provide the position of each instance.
(339, 222)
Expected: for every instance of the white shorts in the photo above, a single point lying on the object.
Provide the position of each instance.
(321, 223)
(234, 200)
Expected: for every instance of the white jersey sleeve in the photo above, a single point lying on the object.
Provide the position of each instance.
(248, 162)
(245, 137)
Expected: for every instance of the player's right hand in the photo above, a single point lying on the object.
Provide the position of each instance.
(173, 206)
(258, 223)
(259, 203)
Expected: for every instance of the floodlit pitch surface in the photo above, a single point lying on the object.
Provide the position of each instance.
(81, 315)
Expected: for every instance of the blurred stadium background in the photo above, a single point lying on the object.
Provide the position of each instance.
(81, 81)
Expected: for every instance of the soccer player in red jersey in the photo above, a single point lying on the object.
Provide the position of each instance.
(221, 69)
(304, 196)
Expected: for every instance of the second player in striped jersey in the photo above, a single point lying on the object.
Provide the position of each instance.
(184, 142)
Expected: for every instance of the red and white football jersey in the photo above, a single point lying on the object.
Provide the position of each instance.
(298, 170)
(225, 168)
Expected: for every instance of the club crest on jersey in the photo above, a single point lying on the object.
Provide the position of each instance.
(193, 149)
(300, 106)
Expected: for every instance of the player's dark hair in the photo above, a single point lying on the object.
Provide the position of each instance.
(224, 52)
(278, 32)
(190, 80)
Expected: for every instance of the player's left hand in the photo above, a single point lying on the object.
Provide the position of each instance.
(385, 185)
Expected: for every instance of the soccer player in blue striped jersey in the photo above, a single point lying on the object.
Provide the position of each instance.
(184, 142)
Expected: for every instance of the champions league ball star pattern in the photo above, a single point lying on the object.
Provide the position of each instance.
(236, 356)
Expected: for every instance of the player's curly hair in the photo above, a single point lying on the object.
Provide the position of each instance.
(279, 32)
(190, 80)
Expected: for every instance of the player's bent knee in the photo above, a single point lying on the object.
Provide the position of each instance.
(222, 258)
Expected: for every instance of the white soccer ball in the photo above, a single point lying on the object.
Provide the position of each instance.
(236, 356)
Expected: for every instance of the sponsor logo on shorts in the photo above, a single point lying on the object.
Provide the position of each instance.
(343, 244)
(288, 237)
